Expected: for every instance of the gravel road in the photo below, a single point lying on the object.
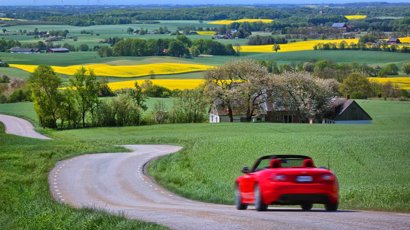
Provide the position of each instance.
(20, 127)
(116, 182)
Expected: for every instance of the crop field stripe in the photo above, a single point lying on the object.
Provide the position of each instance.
(355, 17)
(125, 70)
(301, 46)
(227, 22)
(172, 84)
(401, 82)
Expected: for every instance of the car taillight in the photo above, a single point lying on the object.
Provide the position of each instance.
(280, 177)
(328, 177)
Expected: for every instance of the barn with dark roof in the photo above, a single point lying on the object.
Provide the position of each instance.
(348, 112)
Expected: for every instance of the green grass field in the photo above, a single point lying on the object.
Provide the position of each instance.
(76, 58)
(371, 161)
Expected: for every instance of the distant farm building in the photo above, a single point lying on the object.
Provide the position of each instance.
(343, 112)
(18, 50)
(393, 41)
(341, 26)
(58, 50)
(347, 112)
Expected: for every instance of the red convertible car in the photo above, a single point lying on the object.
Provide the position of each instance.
(286, 180)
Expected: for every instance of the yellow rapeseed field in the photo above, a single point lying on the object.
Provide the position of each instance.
(401, 82)
(167, 83)
(206, 32)
(356, 17)
(227, 22)
(7, 19)
(290, 47)
(125, 70)
(405, 40)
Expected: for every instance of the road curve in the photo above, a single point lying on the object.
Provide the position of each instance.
(116, 182)
(20, 127)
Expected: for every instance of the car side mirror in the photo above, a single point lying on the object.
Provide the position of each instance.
(245, 170)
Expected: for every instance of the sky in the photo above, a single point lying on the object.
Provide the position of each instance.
(180, 2)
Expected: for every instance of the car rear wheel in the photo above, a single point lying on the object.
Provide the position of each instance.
(306, 207)
(331, 207)
(259, 205)
(238, 200)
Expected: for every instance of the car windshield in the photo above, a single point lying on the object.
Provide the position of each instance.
(285, 162)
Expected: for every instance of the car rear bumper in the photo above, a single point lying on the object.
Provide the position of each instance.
(291, 193)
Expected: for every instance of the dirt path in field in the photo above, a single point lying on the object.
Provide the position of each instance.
(20, 127)
(117, 183)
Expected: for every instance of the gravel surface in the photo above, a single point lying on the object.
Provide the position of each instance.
(116, 182)
(20, 127)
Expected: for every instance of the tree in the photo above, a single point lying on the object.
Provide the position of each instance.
(177, 48)
(86, 92)
(84, 47)
(390, 69)
(310, 97)
(190, 106)
(44, 85)
(139, 97)
(130, 30)
(237, 85)
(406, 68)
(276, 47)
(237, 48)
(356, 86)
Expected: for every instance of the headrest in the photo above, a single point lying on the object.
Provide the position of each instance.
(275, 163)
(308, 163)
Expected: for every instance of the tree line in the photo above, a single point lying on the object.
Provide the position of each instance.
(78, 105)
(181, 46)
(380, 45)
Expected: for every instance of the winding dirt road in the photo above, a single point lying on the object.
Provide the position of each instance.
(20, 127)
(116, 182)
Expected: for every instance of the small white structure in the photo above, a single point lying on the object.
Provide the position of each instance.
(213, 115)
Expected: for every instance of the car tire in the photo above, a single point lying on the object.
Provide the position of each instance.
(331, 207)
(259, 205)
(306, 207)
(238, 200)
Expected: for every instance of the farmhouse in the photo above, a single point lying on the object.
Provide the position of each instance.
(58, 50)
(341, 26)
(18, 50)
(343, 112)
(393, 41)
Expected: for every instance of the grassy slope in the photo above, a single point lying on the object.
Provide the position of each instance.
(371, 161)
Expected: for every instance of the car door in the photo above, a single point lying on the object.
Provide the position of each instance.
(247, 187)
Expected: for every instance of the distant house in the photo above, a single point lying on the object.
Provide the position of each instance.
(393, 41)
(338, 25)
(347, 112)
(58, 50)
(343, 112)
(54, 38)
(220, 113)
(18, 50)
